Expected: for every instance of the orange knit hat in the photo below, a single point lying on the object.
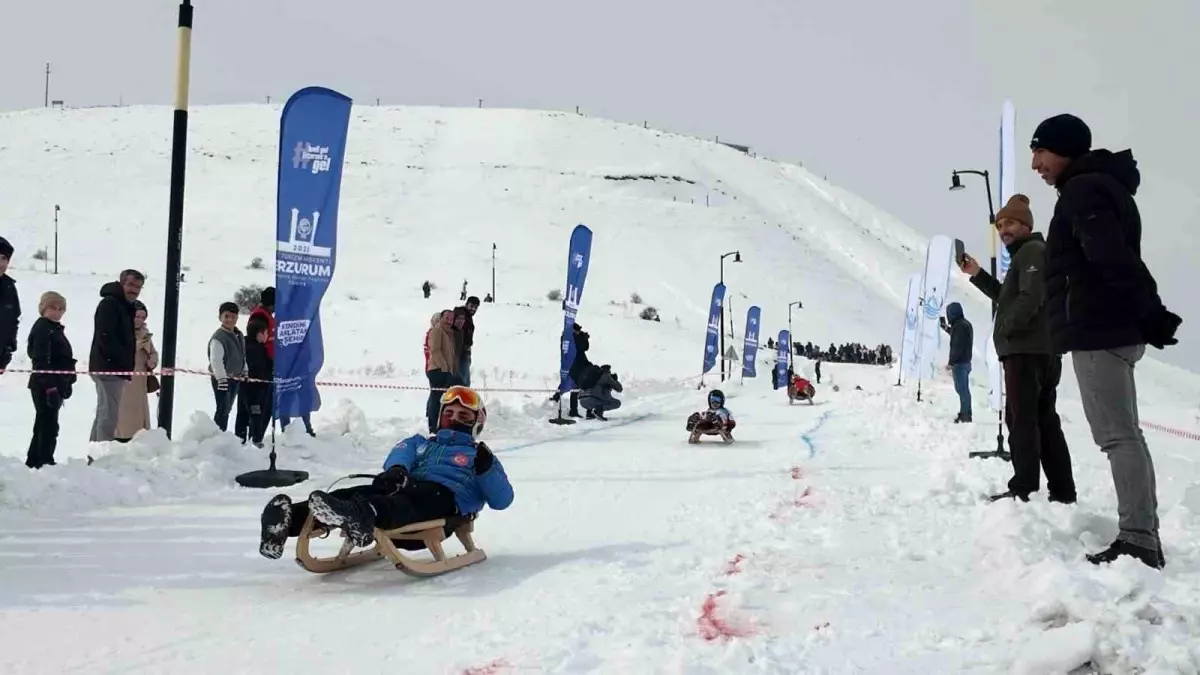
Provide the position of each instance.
(1017, 208)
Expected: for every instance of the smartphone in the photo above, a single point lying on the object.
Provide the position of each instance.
(960, 251)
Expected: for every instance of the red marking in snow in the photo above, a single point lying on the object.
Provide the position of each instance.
(731, 567)
(713, 627)
(493, 668)
(797, 473)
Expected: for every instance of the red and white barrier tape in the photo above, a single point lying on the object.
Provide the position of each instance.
(1180, 433)
(162, 372)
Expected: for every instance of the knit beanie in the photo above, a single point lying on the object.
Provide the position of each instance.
(1064, 135)
(1017, 208)
(6, 248)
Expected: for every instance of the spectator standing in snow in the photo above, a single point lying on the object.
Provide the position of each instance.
(962, 342)
(440, 365)
(254, 397)
(226, 363)
(468, 331)
(426, 288)
(48, 349)
(463, 297)
(581, 370)
(598, 399)
(817, 370)
(114, 349)
(459, 334)
(1031, 371)
(265, 312)
(10, 307)
(1103, 307)
(134, 411)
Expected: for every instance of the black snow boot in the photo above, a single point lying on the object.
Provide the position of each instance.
(1149, 557)
(596, 415)
(276, 521)
(355, 516)
(1009, 494)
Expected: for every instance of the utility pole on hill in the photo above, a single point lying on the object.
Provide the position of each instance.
(46, 103)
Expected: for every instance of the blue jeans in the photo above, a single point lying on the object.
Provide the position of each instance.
(225, 401)
(962, 385)
(464, 370)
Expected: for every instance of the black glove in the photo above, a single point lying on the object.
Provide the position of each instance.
(53, 399)
(1159, 330)
(392, 481)
(483, 459)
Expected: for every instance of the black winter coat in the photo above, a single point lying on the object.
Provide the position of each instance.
(962, 335)
(49, 349)
(10, 318)
(113, 342)
(1099, 293)
(1020, 325)
(581, 368)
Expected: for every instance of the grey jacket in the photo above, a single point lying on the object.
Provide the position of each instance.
(227, 354)
(1020, 326)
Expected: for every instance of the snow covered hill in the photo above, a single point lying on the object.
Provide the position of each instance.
(861, 539)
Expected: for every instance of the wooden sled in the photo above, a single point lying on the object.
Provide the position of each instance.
(808, 394)
(427, 535)
(725, 434)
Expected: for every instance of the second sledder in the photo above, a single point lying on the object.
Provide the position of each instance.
(716, 421)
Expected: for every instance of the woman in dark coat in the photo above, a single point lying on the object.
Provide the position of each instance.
(49, 350)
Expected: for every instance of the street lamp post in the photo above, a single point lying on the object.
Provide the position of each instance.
(737, 258)
(956, 185)
(791, 335)
(493, 271)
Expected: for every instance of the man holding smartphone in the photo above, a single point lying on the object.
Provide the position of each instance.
(1031, 369)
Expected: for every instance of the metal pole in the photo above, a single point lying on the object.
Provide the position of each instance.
(47, 95)
(56, 238)
(722, 354)
(175, 215)
(995, 304)
(493, 271)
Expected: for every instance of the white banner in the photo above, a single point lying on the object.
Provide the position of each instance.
(935, 286)
(1008, 177)
(995, 374)
(908, 343)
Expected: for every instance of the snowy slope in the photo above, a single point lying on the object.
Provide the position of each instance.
(865, 546)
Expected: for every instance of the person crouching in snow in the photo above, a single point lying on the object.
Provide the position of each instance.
(425, 478)
(717, 420)
(599, 398)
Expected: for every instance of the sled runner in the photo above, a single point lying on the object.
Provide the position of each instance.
(427, 535)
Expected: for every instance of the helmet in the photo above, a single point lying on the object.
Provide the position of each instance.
(716, 399)
(470, 399)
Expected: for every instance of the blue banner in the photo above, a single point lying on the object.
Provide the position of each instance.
(578, 257)
(783, 353)
(312, 144)
(750, 348)
(714, 328)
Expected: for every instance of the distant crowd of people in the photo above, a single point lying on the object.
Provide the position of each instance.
(850, 352)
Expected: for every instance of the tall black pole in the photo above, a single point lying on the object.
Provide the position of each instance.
(56, 238)
(47, 94)
(493, 271)
(722, 354)
(183, 62)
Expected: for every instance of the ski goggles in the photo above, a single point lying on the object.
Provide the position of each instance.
(465, 396)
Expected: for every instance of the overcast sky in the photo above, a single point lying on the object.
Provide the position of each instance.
(884, 98)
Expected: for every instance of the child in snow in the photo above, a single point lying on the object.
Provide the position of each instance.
(717, 420)
(49, 349)
(254, 397)
(226, 363)
(425, 478)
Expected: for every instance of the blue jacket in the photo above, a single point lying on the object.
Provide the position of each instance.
(449, 459)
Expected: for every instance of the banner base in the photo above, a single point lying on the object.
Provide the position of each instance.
(992, 454)
(271, 478)
(560, 420)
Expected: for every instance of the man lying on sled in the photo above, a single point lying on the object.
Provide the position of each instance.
(424, 478)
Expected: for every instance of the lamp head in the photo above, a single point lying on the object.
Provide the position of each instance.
(955, 182)
(737, 256)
